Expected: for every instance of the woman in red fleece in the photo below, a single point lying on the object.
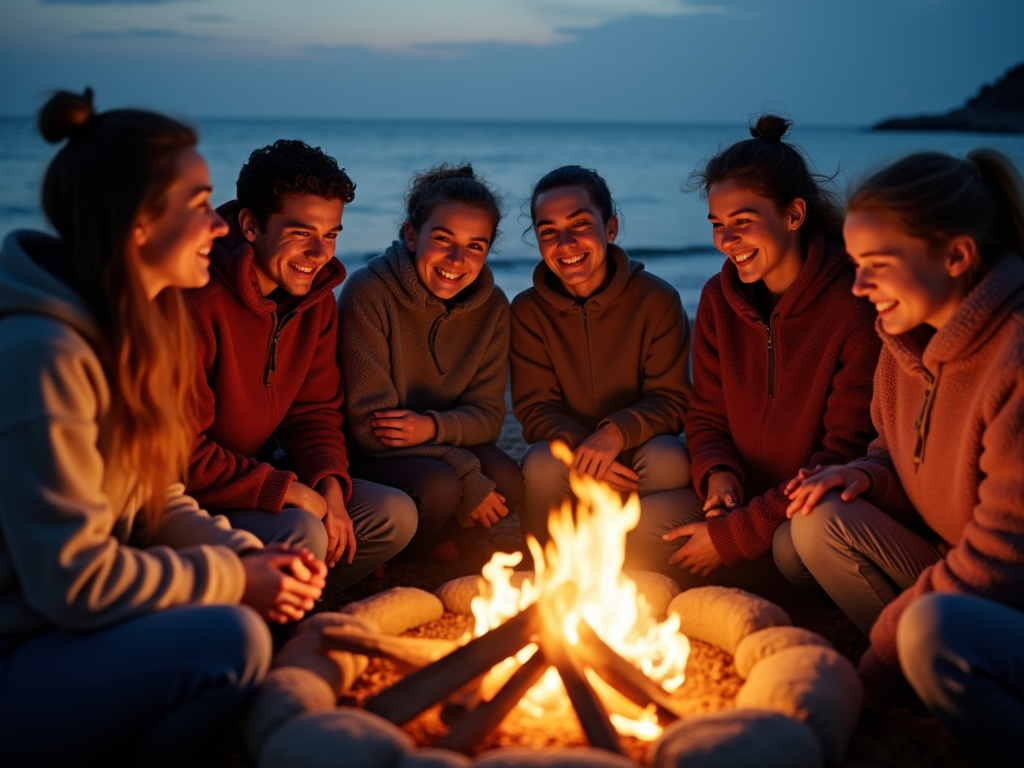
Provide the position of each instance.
(783, 357)
(924, 546)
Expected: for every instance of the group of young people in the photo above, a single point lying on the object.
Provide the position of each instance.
(194, 434)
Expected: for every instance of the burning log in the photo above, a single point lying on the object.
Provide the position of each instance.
(465, 734)
(623, 676)
(403, 701)
(591, 713)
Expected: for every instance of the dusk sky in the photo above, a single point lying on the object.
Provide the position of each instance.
(846, 62)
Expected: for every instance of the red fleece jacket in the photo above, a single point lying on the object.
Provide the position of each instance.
(770, 399)
(263, 372)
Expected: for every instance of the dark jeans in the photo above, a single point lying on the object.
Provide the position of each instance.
(159, 684)
(436, 489)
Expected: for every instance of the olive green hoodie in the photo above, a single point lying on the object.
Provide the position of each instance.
(67, 554)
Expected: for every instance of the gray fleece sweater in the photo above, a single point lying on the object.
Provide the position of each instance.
(402, 347)
(67, 554)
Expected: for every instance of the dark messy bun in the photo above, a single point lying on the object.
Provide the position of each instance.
(777, 170)
(65, 114)
(770, 128)
(446, 183)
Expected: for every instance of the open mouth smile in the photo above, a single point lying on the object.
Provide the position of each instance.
(452, 277)
(302, 270)
(573, 260)
(743, 258)
(884, 306)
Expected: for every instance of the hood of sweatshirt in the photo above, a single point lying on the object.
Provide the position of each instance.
(549, 287)
(232, 261)
(980, 315)
(824, 261)
(396, 268)
(29, 287)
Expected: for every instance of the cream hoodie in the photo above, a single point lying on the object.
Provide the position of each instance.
(67, 558)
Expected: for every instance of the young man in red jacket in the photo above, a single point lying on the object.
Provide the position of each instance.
(270, 453)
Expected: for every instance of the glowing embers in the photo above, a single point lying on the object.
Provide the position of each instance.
(579, 632)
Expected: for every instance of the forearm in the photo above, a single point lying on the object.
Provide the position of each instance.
(747, 533)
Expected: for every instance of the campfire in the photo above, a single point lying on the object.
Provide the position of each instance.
(579, 628)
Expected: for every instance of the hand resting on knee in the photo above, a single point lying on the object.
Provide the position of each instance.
(806, 489)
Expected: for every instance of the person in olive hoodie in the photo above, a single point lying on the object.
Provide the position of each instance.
(424, 350)
(121, 633)
(782, 364)
(270, 451)
(599, 356)
(923, 544)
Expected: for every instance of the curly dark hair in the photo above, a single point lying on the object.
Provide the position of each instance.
(290, 167)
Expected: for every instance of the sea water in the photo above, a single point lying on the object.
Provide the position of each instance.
(646, 166)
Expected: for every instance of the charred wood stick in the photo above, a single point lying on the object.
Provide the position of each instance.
(407, 698)
(589, 711)
(465, 734)
(409, 652)
(623, 676)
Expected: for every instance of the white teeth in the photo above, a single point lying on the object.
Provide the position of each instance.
(574, 259)
(303, 270)
(742, 257)
(448, 275)
(882, 306)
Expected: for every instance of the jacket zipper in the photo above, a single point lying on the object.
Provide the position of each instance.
(921, 424)
(272, 352)
(770, 330)
(590, 360)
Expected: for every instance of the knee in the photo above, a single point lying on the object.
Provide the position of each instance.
(398, 516)
(787, 559)
(922, 635)
(240, 642)
(663, 462)
(301, 528)
(438, 493)
(508, 479)
(541, 468)
(824, 523)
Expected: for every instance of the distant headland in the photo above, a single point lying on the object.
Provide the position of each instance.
(997, 108)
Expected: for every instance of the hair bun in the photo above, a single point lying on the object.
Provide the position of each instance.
(770, 128)
(64, 114)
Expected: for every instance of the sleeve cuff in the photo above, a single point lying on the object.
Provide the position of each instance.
(449, 430)
(629, 427)
(326, 467)
(271, 498)
(721, 537)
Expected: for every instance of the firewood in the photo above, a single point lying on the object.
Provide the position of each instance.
(407, 698)
(623, 676)
(409, 652)
(465, 734)
(593, 719)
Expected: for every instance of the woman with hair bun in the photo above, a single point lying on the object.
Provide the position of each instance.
(783, 357)
(423, 347)
(120, 628)
(921, 542)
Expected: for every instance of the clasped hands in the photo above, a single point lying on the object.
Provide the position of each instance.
(282, 582)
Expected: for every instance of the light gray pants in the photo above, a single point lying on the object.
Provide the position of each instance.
(662, 464)
(964, 656)
(384, 520)
(859, 555)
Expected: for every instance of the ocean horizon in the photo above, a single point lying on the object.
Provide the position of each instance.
(646, 166)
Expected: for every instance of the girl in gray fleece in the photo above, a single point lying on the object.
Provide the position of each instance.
(119, 619)
(423, 346)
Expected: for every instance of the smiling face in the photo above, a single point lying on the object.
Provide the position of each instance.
(910, 282)
(171, 248)
(573, 238)
(295, 243)
(451, 247)
(763, 242)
